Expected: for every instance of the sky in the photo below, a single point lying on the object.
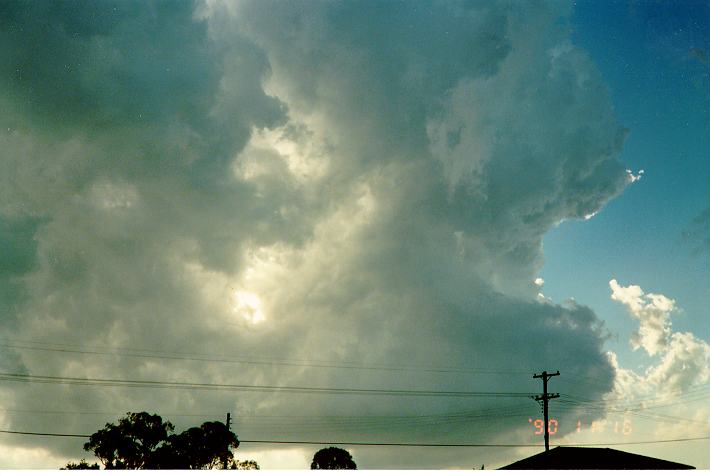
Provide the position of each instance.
(352, 222)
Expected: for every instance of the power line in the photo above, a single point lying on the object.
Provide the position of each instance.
(84, 412)
(347, 423)
(360, 443)
(472, 445)
(253, 388)
(400, 420)
(694, 392)
(492, 412)
(638, 404)
(169, 355)
(35, 433)
(372, 425)
(647, 442)
(645, 413)
(294, 442)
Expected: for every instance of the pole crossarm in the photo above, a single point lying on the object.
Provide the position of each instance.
(548, 397)
(547, 376)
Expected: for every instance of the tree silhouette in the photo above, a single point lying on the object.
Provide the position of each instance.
(81, 465)
(204, 447)
(144, 441)
(247, 464)
(131, 443)
(333, 458)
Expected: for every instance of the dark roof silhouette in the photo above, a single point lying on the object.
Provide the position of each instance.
(569, 457)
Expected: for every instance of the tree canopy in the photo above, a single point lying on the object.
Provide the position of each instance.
(144, 441)
(333, 458)
(204, 447)
(247, 464)
(81, 465)
(131, 443)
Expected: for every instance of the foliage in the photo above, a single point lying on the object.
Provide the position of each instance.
(81, 465)
(333, 458)
(144, 441)
(246, 464)
(131, 443)
(204, 447)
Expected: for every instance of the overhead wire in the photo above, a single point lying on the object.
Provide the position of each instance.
(668, 399)
(361, 443)
(85, 412)
(354, 422)
(347, 423)
(638, 406)
(696, 391)
(385, 423)
(216, 358)
(45, 379)
(568, 404)
(637, 411)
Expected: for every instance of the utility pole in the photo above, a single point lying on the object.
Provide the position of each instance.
(226, 450)
(545, 397)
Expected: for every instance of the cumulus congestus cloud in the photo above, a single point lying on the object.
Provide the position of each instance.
(682, 358)
(298, 182)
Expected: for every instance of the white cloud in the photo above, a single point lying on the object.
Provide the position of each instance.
(631, 177)
(684, 363)
(684, 359)
(664, 398)
(627, 383)
(366, 195)
(653, 313)
(279, 459)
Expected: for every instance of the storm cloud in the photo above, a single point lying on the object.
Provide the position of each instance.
(345, 194)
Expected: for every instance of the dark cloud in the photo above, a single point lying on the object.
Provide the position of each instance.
(79, 62)
(313, 182)
(18, 259)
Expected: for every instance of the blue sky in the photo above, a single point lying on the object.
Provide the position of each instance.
(660, 93)
(653, 58)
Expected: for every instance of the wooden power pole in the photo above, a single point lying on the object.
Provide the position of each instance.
(545, 397)
(226, 458)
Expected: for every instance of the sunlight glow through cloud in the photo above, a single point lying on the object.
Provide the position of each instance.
(248, 305)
